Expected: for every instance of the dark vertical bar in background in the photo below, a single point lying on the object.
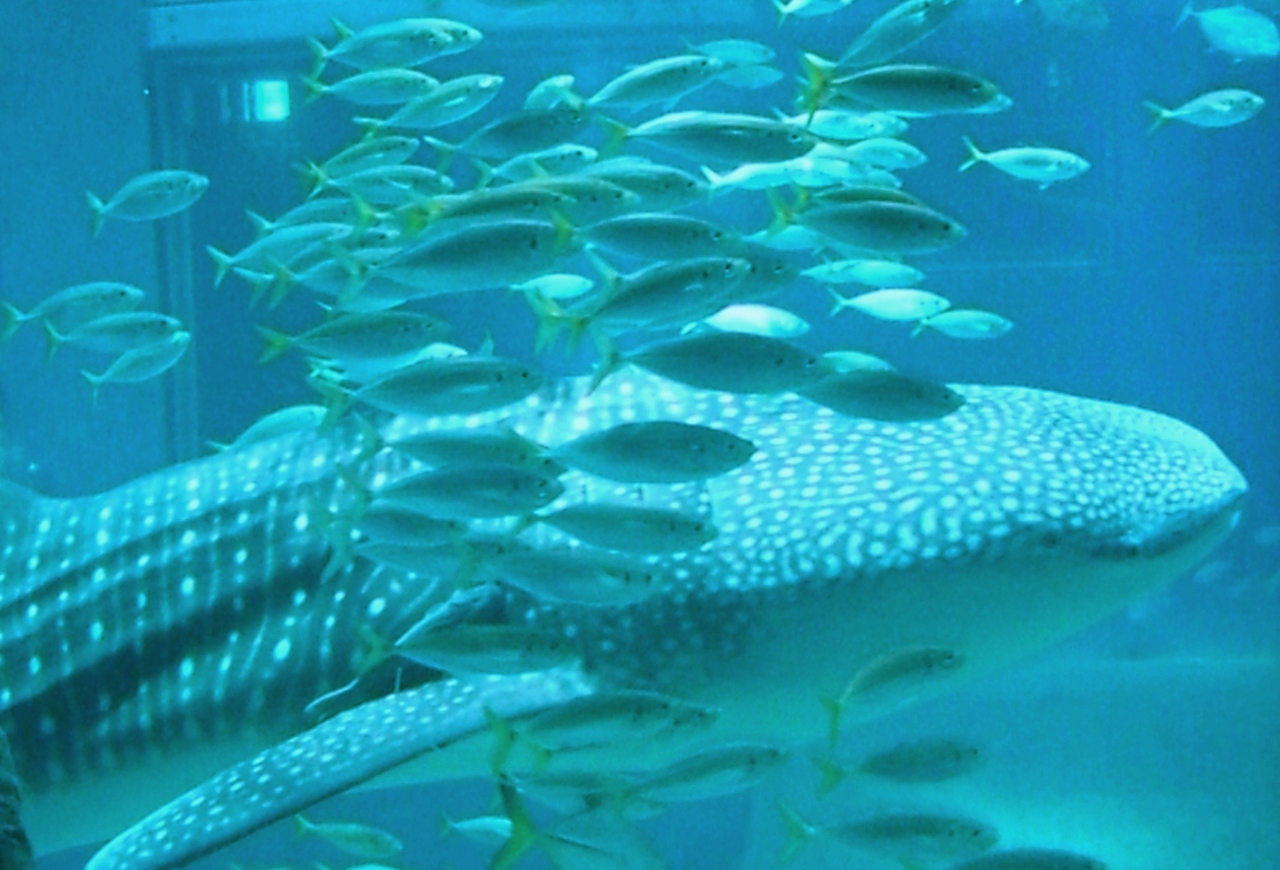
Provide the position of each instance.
(172, 115)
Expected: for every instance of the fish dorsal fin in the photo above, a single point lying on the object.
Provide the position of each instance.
(359, 745)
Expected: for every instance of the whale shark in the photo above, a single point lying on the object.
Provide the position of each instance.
(161, 644)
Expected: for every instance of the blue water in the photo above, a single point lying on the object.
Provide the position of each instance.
(1153, 280)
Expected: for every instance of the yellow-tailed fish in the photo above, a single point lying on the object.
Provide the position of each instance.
(888, 396)
(379, 87)
(895, 31)
(148, 197)
(518, 133)
(659, 236)
(74, 306)
(450, 385)
(966, 323)
(1220, 108)
(659, 451)
(359, 338)
(474, 491)
(116, 333)
(141, 363)
(665, 80)
(718, 137)
(1044, 166)
(920, 89)
(734, 362)
(633, 528)
(405, 42)
(483, 445)
(364, 841)
(366, 154)
(896, 304)
(453, 101)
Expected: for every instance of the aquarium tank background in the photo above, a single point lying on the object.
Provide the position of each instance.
(1149, 740)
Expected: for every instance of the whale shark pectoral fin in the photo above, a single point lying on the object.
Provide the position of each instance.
(340, 753)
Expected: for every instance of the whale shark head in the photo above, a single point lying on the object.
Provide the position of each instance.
(989, 533)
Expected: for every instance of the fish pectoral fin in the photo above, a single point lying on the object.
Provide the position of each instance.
(338, 754)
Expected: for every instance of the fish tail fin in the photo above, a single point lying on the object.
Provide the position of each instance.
(781, 8)
(1159, 116)
(278, 344)
(1187, 11)
(567, 238)
(341, 28)
(523, 833)
(56, 340)
(713, 178)
(259, 281)
(340, 525)
(818, 74)
(374, 648)
(357, 273)
(484, 172)
(920, 326)
(447, 152)
(315, 88)
(975, 154)
(320, 57)
(783, 215)
(301, 826)
(798, 833)
(415, 217)
(550, 318)
(222, 263)
(95, 383)
(281, 282)
(610, 359)
(616, 134)
(833, 708)
(832, 775)
(260, 224)
(10, 319)
(610, 277)
(371, 126)
(315, 175)
(97, 213)
(337, 397)
(838, 303)
(504, 740)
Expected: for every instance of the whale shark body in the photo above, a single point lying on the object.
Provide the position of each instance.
(171, 633)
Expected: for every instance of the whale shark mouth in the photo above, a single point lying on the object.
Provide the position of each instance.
(191, 608)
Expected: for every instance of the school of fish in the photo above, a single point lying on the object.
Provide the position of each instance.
(569, 586)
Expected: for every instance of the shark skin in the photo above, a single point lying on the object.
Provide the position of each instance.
(189, 608)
